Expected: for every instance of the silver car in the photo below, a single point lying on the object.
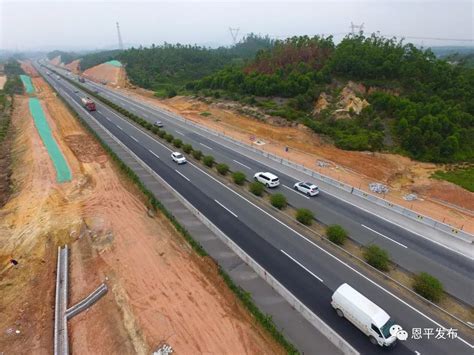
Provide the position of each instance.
(307, 188)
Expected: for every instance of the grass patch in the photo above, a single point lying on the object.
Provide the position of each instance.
(461, 177)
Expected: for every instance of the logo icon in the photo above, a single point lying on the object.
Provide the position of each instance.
(397, 331)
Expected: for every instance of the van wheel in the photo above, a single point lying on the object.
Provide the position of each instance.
(373, 340)
(340, 313)
(255, 179)
(267, 185)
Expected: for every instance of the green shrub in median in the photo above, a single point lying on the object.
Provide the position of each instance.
(169, 137)
(257, 188)
(377, 257)
(428, 286)
(305, 216)
(155, 130)
(197, 154)
(161, 133)
(208, 160)
(278, 201)
(336, 234)
(222, 168)
(187, 148)
(177, 142)
(239, 177)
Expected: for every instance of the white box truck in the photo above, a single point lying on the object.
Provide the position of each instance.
(372, 320)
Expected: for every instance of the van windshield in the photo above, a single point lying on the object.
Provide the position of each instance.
(386, 328)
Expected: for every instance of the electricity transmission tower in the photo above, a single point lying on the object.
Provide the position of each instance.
(120, 43)
(234, 32)
(354, 27)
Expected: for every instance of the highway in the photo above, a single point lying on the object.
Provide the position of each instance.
(407, 249)
(307, 270)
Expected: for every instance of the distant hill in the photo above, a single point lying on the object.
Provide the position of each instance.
(366, 93)
(171, 65)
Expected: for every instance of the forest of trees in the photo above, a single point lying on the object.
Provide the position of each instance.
(429, 115)
(173, 65)
(92, 59)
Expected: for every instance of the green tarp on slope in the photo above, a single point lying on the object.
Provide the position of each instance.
(115, 63)
(63, 173)
(27, 84)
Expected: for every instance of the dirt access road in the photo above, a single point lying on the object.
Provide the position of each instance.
(441, 200)
(159, 289)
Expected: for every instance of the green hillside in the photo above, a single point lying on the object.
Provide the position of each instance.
(418, 105)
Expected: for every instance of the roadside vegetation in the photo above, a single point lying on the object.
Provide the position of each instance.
(12, 87)
(377, 257)
(336, 234)
(463, 177)
(428, 286)
(419, 105)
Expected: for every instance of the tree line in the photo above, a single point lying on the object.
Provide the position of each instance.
(420, 105)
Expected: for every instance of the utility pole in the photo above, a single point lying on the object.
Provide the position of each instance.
(234, 32)
(354, 27)
(120, 43)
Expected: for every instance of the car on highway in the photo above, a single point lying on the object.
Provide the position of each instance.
(178, 158)
(307, 188)
(158, 124)
(268, 179)
(371, 320)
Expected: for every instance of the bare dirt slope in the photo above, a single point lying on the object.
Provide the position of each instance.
(106, 73)
(73, 66)
(441, 200)
(3, 80)
(56, 60)
(160, 290)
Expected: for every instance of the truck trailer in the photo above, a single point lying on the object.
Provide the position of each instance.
(88, 103)
(372, 320)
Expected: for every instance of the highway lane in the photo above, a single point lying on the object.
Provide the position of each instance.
(407, 249)
(203, 192)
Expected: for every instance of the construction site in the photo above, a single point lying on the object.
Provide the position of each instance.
(160, 290)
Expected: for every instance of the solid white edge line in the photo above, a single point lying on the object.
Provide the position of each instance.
(152, 152)
(309, 241)
(296, 192)
(182, 175)
(224, 207)
(301, 265)
(238, 162)
(136, 140)
(374, 231)
(205, 146)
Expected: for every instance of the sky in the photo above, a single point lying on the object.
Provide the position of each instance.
(74, 25)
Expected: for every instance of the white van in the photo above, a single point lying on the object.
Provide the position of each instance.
(372, 320)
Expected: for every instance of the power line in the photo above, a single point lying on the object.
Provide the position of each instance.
(234, 32)
(120, 43)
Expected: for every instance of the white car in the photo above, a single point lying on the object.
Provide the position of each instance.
(178, 158)
(307, 188)
(268, 179)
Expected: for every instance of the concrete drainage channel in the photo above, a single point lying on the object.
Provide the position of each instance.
(61, 313)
